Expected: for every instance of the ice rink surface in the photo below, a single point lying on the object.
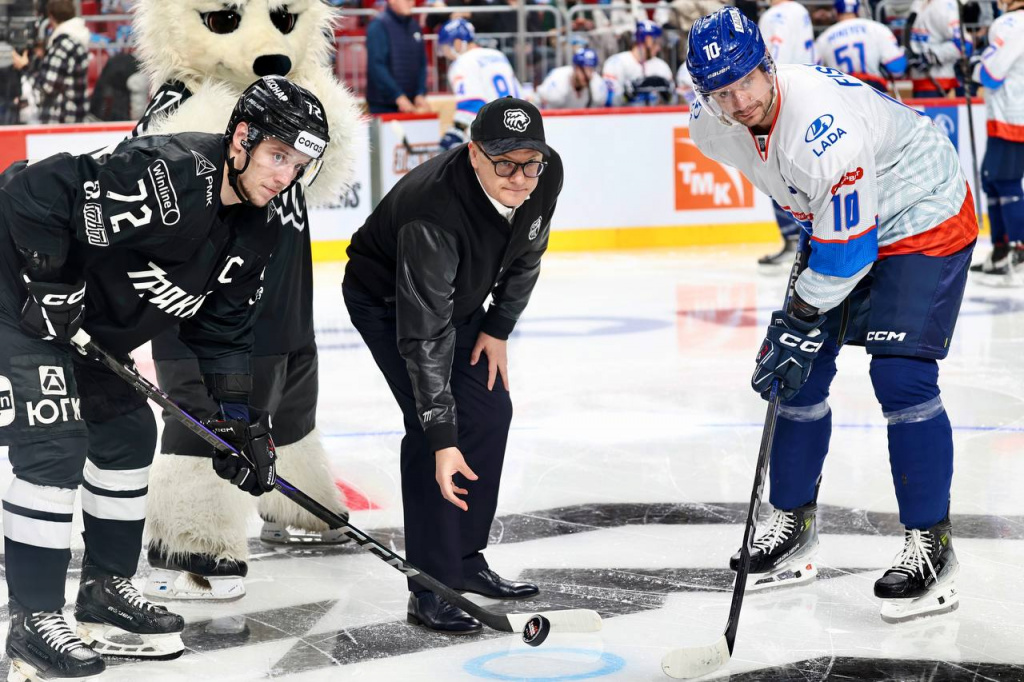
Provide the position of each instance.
(627, 477)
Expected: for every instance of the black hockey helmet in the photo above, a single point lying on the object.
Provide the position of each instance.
(275, 107)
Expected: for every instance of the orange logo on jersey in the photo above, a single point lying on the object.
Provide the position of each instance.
(850, 178)
(702, 183)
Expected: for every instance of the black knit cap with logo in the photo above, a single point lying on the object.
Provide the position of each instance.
(508, 124)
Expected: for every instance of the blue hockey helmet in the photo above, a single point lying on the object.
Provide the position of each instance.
(846, 6)
(646, 29)
(724, 47)
(585, 57)
(456, 29)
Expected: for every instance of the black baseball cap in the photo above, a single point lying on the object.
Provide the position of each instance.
(508, 124)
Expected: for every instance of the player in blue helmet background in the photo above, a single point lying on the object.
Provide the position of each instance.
(574, 86)
(477, 75)
(890, 226)
(639, 75)
(861, 47)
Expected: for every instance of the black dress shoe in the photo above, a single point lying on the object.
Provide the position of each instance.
(490, 584)
(434, 613)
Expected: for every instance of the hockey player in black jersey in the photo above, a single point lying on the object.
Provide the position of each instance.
(125, 243)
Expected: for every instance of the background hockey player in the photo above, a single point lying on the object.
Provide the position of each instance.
(933, 41)
(197, 535)
(477, 75)
(1001, 70)
(576, 85)
(786, 28)
(892, 227)
(861, 47)
(125, 243)
(469, 224)
(639, 75)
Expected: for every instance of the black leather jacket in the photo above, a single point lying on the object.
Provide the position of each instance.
(436, 248)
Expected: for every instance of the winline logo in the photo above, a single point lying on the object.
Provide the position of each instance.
(705, 184)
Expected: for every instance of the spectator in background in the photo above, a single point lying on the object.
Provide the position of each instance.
(396, 70)
(59, 82)
(576, 86)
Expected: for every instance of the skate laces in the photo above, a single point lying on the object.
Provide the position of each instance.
(55, 631)
(778, 527)
(125, 588)
(916, 554)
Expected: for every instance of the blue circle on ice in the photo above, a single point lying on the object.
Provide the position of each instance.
(610, 663)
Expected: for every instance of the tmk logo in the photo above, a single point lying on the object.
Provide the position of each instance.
(818, 128)
(6, 402)
(52, 381)
(887, 336)
(704, 184)
(517, 120)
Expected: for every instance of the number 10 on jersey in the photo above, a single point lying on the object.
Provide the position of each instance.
(845, 211)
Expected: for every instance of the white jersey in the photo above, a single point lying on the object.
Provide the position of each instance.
(479, 76)
(787, 32)
(623, 68)
(1002, 74)
(557, 91)
(937, 29)
(860, 47)
(867, 176)
(684, 84)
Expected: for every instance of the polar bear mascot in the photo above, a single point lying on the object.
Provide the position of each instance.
(199, 56)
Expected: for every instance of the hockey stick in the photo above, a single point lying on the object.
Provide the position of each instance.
(965, 65)
(399, 130)
(688, 662)
(570, 620)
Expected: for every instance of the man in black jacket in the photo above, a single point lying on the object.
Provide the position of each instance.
(123, 244)
(467, 224)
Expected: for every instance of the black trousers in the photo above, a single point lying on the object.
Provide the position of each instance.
(441, 539)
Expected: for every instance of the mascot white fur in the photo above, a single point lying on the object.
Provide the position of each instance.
(200, 55)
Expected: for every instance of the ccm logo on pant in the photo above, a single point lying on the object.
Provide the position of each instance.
(887, 336)
(794, 342)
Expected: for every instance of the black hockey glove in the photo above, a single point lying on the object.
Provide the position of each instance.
(52, 311)
(257, 475)
(786, 354)
(922, 59)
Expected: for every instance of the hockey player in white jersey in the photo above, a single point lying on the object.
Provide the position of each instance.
(634, 75)
(861, 47)
(890, 224)
(575, 86)
(786, 28)
(933, 41)
(477, 75)
(1000, 69)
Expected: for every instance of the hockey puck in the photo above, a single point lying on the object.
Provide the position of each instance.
(536, 630)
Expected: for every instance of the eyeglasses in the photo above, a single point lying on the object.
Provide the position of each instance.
(506, 169)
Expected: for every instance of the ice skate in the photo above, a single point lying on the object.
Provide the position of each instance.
(42, 646)
(1004, 267)
(274, 533)
(194, 577)
(922, 580)
(115, 620)
(784, 550)
(776, 263)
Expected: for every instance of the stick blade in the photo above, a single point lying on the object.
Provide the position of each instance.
(569, 620)
(687, 663)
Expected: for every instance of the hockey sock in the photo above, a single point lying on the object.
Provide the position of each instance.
(802, 434)
(1007, 216)
(920, 437)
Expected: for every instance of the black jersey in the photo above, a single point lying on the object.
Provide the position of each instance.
(437, 247)
(285, 322)
(142, 223)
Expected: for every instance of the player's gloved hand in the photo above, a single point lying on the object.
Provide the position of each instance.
(787, 352)
(453, 138)
(257, 472)
(52, 311)
(922, 58)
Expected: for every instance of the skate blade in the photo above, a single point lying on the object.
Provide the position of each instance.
(166, 585)
(800, 574)
(941, 602)
(23, 672)
(1012, 280)
(109, 640)
(280, 535)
